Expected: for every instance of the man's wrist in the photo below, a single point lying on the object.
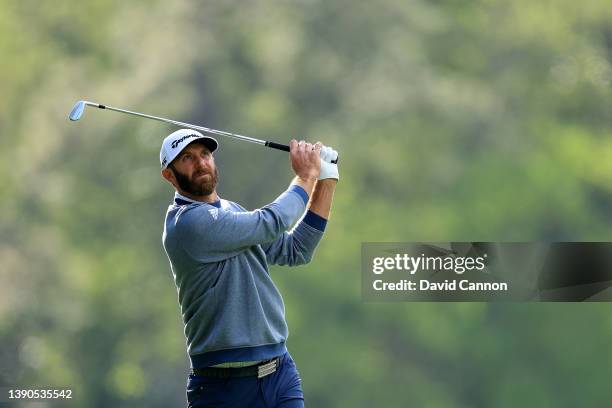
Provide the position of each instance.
(322, 197)
(306, 184)
(308, 176)
(325, 185)
(329, 182)
(310, 179)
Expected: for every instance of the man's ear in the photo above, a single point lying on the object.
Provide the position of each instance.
(169, 175)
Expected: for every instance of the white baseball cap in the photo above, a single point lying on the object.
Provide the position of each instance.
(175, 142)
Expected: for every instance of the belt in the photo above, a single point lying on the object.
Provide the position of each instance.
(260, 370)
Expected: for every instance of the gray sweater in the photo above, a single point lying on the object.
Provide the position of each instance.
(219, 254)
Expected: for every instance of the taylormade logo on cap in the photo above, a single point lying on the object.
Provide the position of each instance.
(175, 142)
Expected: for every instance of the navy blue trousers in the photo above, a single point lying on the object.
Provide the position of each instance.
(281, 389)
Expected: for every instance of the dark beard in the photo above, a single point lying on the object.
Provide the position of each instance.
(195, 188)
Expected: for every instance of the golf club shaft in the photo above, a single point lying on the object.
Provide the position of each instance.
(78, 109)
(190, 126)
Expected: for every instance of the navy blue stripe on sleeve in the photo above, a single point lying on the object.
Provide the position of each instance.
(315, 221)
(301, 192)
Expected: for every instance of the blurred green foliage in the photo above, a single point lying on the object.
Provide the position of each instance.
(455, 120)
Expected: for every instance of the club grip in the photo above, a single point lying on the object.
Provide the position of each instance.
(278, 146)
(286, 148)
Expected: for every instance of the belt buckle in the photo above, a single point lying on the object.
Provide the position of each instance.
(266, 369)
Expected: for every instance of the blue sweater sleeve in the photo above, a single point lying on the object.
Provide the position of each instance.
(297, 246)
(210, 234)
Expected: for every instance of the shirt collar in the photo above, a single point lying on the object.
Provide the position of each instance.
(180, 199)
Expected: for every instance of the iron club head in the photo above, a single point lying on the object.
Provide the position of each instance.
(77, 111)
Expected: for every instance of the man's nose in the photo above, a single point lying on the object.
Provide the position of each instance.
(202, 163)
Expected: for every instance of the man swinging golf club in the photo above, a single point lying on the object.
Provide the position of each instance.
(219, 253)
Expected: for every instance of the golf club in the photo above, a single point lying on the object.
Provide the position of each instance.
(79, 108)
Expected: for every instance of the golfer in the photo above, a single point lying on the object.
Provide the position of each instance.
(219, 253)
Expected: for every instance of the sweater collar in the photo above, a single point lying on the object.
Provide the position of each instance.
(180, 199)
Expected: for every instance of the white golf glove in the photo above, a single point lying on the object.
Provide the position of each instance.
(329, 170)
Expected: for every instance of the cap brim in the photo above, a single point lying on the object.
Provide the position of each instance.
(210, 143)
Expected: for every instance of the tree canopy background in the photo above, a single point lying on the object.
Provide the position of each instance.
(455, 120)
